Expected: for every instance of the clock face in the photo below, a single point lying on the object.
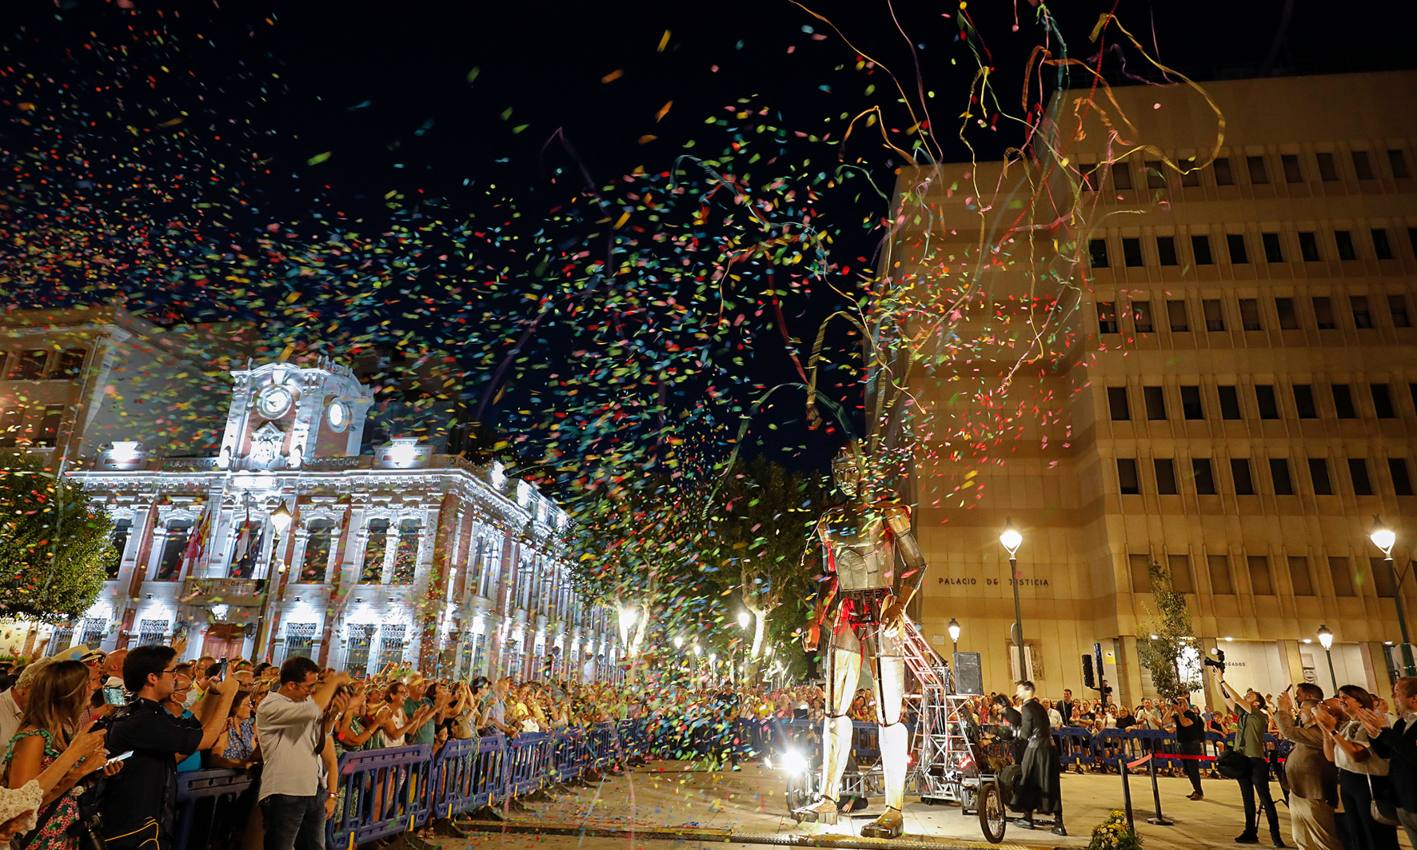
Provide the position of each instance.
(338, 416)
(273, 401)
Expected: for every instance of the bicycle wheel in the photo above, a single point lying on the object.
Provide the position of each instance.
(992, 817)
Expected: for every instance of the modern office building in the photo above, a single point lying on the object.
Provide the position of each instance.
(1212, 369)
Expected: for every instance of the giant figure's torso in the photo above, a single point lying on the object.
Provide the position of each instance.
(860, 545)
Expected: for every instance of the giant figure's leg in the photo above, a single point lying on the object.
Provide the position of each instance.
(888, 666)
(843, 671)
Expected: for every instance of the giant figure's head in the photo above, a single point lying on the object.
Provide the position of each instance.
(847, 470)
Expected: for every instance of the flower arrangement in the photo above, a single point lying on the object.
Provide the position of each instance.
(1113, 834)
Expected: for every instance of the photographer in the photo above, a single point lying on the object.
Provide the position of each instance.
(1190, 737)
(1249, 742)
(139, 810)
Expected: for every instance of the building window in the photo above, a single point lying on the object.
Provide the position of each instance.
(1362, 316)
(1343, 402)
(1261, 581)
(1273, 248)
(1235, 246)
(28, 365)
(1242, 475)
(1165, 469)
(119, 541)
(1155, 400)
(69, 363)
(1250, 314)
(1204, 474)
(299, 638)
(1166, 250)
(1259, 175)
(48, 432)
(1106, 317)
(1397, 161)
(1343, 241)
(1200, 249)
(317, 551)
(1121, 176)
(1190, 174)
(1176, 315)
(1179, 566)
(1219, 568)
(1358, 472)
(1401, 480)
(1097, 253)
(1224, 174)
(1140, 568)
(1214, 314)
(375, 545)
(1381, 571)
(1290, 163)
(1288, 317)
(1382, 248)
(406, 552)
(95, 629)
(1154, 178)
(1342, 574)
(1087, 173)
(1118, 404)
(1131, 251)
(391, 643)
(1266, 401)
(152, 632)
(12, 425)
(1318, 474)
(174, 544)
(357, 647)
(1382, 401)
(1279, 476)
(1300, 577)
(1397, 308)
(1323, 313)
(1128, 480)
(1327, 171)
(1229, 402)
(1304, 401)
(1141, 317)
(1308, 246)
(1362, 165)
(1191, 407)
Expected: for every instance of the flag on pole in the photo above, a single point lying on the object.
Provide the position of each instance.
(197, 542)
(243, 541)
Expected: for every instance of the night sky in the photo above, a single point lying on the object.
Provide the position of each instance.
(344, 103)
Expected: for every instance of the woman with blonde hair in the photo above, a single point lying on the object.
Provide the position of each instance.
(57, 699)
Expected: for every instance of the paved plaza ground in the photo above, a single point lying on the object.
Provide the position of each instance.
(671, 794)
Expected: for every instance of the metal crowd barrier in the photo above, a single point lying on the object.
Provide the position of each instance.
(222, 787)
(385, 792)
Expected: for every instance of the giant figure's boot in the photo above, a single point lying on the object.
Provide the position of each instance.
(889, 825)
(824, 811)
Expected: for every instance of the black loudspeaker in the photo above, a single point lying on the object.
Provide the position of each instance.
(968, 673)
(1089, 678)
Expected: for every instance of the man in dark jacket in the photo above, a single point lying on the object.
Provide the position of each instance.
(1399, 744)
(1039, 786)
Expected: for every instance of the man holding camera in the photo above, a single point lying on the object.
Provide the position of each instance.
(1190, 736)
(1249, 742)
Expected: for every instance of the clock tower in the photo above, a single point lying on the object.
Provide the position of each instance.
(283, 416)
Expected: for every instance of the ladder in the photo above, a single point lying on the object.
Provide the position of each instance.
(941, 749)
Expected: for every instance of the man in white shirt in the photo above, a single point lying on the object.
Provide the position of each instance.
(296, 796)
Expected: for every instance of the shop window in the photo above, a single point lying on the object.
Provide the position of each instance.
(1261, 581)
(1279, 476)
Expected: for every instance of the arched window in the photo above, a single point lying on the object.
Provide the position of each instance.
(318, 539)
(378, 542)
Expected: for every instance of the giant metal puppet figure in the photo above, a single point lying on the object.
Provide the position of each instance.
(861, 539)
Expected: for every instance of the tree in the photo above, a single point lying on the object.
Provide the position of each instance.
(760, 533)
(1169, 640)
(53, 546)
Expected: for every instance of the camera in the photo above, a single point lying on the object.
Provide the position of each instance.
(1218, 662)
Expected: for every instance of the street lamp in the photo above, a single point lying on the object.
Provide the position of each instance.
(953, 629)
(1326, 641)
(1385, 538)
(744, 618)
(1011, 539)
(678, 641)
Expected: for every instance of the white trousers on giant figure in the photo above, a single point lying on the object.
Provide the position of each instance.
(844, 659)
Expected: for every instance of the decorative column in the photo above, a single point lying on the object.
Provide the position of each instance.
(439, 549)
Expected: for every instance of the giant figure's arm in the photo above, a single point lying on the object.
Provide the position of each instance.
(824, 604)
(913, 572)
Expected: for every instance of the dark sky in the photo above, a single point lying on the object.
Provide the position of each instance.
(415, 94)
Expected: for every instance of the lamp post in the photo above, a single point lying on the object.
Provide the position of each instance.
(1326, 641)
(953, 629)
(1385, 538)
(1011, 539)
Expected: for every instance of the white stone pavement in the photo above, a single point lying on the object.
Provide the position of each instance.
(667, 794)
